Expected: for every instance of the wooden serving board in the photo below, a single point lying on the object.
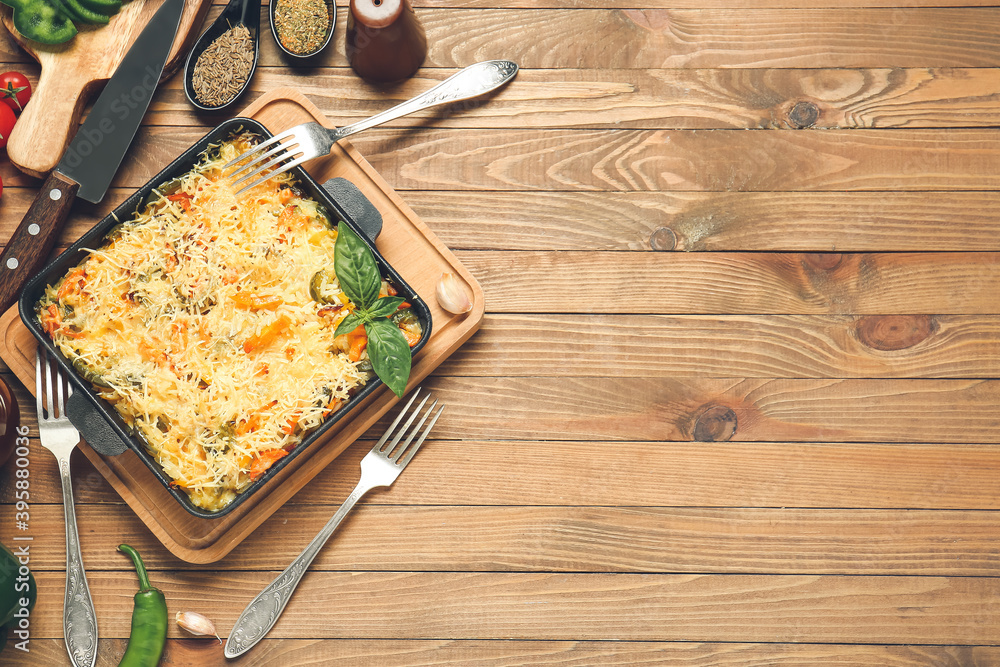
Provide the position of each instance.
(406, 243)
(74, 71)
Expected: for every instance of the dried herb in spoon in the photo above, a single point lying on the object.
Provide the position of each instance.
(301, 24)
(223, 68)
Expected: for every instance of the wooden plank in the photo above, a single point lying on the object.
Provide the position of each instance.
(685, 160)
(567, 539)
(554, 606)
(751, 346)
(476, 653)
(717, 221)
(645, 99)
(707, 38)
(579, 472)
(717, 409)
(664, 221)
(738, 283)
(694, 4)
(638, 160)
(671, 474)
(758, 410)
(700, 37)
(766, 346)
(650, 99)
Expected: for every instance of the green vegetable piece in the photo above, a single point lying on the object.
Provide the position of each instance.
(389, 353)
(78, 12)
(149, 619)
(356, 268)
(89, 373)
(41, 22)
(404, 317)
(319, 281)
(109, 7)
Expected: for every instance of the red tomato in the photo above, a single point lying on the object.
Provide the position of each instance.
(7, 120)
(15, 90)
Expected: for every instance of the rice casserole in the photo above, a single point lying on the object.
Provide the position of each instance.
(207, 320)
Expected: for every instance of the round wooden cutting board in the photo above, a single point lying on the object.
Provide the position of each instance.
(75, 71)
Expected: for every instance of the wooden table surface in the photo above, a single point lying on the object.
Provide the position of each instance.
(734, 400)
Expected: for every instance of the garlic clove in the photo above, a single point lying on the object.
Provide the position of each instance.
(196, 624)
(452, 294)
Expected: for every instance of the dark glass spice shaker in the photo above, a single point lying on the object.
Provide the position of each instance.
(385, 40)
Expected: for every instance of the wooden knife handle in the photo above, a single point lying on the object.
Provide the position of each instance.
(29, 247)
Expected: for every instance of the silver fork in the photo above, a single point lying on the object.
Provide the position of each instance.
(380, 467)
(311, 140)
(60, 437)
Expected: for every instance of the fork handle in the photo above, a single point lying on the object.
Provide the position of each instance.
(263, 611)
(472, 81)
(79, 617)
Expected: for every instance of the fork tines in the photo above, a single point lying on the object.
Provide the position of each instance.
(402, 455)
(263, 151)
(51, 388)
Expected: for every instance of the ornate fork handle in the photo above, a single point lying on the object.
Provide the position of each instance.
(79, 617)
(472, 81)
(263, 612)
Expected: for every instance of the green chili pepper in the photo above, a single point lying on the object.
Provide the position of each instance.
(149, 620)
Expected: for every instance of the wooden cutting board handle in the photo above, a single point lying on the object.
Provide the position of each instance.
(47, 122)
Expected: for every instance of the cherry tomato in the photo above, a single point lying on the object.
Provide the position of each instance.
(15, 90)
(7, 120)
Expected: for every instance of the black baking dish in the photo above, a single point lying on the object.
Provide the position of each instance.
(98, 422)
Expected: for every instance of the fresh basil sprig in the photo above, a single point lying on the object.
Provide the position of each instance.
(358, 275)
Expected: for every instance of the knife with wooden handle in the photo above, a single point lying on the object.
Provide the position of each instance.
(94, 155)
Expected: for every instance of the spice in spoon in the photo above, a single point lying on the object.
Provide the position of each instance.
(301, 25)
(223, 68)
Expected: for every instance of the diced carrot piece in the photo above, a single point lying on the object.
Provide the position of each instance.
(73, 283)
(411, 338)
(51, 319)
(291, 423)
(267, 335)
(265, 460)
(285, 195)
(248, 425)
(252, 301)
(357, 341)
(182, 198)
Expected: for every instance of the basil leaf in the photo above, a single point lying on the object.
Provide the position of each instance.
(351, 322)
(389, 353)
(355, 267)
(385, 306)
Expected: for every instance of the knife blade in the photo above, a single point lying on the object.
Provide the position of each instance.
(95, 153)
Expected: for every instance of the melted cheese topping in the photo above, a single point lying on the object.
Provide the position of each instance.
(196, 321)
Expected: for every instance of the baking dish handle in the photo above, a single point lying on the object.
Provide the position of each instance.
(356, 205)
(94, 429)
